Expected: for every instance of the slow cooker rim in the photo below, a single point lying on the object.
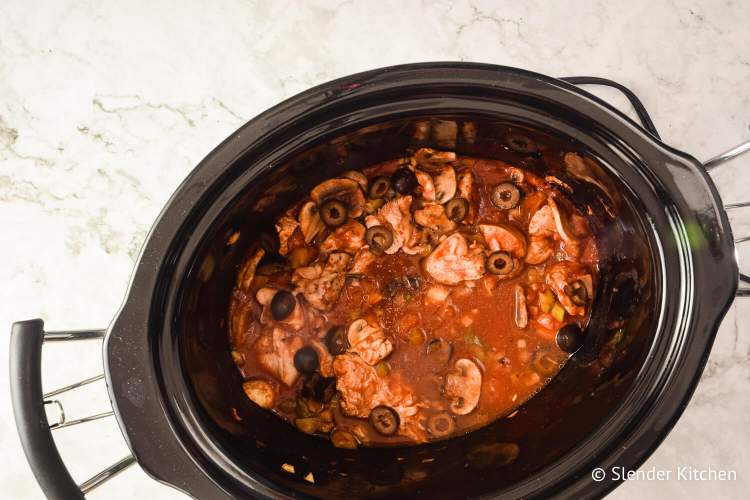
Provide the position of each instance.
(233, 147)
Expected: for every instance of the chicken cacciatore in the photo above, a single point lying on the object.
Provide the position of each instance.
(418, 299)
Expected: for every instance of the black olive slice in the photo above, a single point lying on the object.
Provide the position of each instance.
(306, 359)
(333, 213)
(404, 181)
(385, 420)
(282, 305)
(457, 209)
(441, 425)
(577, 292)
(569, 338)
(521, 144)
(336, 340)
(506, 196)
(500, 263)
(379, 187)
(379, 238)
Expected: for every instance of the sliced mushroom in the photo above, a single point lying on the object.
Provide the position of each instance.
(561, 224)
(247, 273)
(358, 177)
(345, 190)
(285, 227)
(445, 184)
(309, 221)
(463, 386)
(433, 160)
(522, 315)
(260, 392)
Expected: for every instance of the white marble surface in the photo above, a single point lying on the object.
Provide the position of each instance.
(105, 106)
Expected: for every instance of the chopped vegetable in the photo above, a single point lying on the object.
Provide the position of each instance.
(558, 311)
(309, 425)
(546, 300)
(383, 369)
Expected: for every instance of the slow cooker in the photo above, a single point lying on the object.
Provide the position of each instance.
(669, 273)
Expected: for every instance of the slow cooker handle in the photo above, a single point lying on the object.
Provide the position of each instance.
(35, 431)
(744, 289)
(640, 109)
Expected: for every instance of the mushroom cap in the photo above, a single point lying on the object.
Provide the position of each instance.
(463, 386)
(432, 159)
(309, 221)
(445, 184)
(345, 190)
(357, 176)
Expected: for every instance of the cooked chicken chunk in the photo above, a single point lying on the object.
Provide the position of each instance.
(275, 351)
(428, 187)
(504, 237)
(362, 260)
(436, 294)
(362, 389)
(453, 261)
(465, 185)
(541, 248)
(348, 238)
(285, 227)
(369, 341)
(321, 285)
(434, 217)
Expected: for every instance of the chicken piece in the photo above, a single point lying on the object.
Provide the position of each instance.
(541, 248)
(362, 260)
(396, 214)
(370, 342)
(560, 276)
(435, 295)
(275, 352)
(465, 185)
(247, 273)
(285, 227)
(348, 238)
(428, 187)
(295, 321)
(433, 217)
(463, 386)
(542, 222)
(453, 261)
(362, 389)
(324, 357)
(321, 285)
(243, 327)
(504, 237)
(260, 392)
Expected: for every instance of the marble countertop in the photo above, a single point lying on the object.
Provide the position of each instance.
(106, 106)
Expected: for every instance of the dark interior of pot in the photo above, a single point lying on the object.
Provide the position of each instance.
(592, 384)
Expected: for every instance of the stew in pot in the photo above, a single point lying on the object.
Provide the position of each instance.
(418, 299)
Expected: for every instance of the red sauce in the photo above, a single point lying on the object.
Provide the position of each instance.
(477, 318)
